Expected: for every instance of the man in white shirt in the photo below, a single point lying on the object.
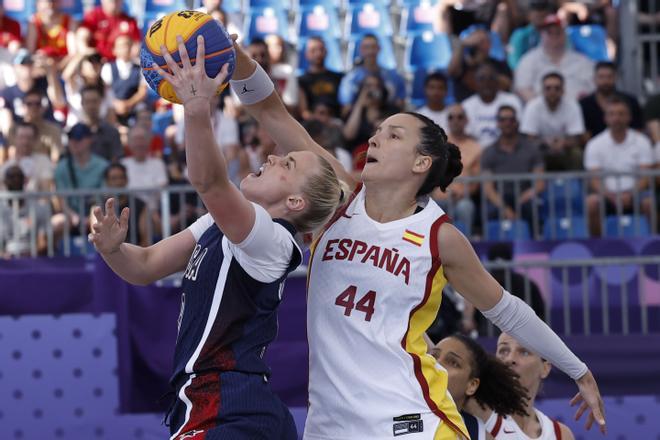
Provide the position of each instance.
(144, 171)
(481, 108)
(435, 92)
(617, 149)
(553, 55)
(37, 167)
(556, 121)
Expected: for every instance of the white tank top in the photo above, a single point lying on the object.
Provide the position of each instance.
(374, 288)
(505, 428)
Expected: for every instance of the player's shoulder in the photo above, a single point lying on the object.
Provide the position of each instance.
(566, 433)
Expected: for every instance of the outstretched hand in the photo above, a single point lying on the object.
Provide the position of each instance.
(190, 81)
(591, 400)
(108, 231)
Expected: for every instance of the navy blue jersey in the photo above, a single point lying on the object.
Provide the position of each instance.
(230, 297)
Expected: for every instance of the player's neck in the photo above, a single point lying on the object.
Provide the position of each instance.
(387, 204)
(529, 424)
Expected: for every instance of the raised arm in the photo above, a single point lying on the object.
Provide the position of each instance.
(207, 168)
(273, 116)
(466, 274)
(135, 264)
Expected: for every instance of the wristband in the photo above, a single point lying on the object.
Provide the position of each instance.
(253, 89)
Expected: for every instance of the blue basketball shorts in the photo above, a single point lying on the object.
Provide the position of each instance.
(227, 406)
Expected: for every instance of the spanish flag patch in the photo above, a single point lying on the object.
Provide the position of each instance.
(413, 237)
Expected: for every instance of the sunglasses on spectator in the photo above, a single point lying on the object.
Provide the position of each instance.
(33, 103)
(486, 77)
(506, 119)
(457, 116)
(552, 87)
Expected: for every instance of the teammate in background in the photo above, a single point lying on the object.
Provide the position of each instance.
(479, 383)
(236, 259)
(531, 369)
(386, 255)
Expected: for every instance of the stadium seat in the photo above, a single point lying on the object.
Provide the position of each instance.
(386, 57)
(368, 18)
(417, 88)
(590, 40)
(497, 49)
(75, 8)
(317, 20)
(326, 3)
(416, 17)
(333, 59)
(626, 226)
(562, 194)
(260, 22)
(161, 120)
(20, 10)
(229, 6)
(561, 228)
(507, 230)
(158, 8)
(427, 50)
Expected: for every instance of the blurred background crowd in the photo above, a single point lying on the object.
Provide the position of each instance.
(523, 87)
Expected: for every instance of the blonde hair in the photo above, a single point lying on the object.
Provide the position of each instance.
(324, 193)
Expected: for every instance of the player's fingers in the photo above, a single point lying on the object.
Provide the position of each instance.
(598, 411)
(97, 227)
(91, 237)
(200, 56)
(171, 64)
(590, 421)
(110, 208)
(581, 410)
(162, 73)
(123, 218)
(183, 53)
(97, 214)
(222, 75)
(233, 37)
(576, 399)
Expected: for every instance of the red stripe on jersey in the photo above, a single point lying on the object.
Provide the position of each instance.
(498, 425)
(410, 241)
(555, 424)
(414, 233)
(204, 394)
(435, 266)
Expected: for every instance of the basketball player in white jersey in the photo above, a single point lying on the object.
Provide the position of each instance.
(479, 380)
(375, 281)
(531, 370)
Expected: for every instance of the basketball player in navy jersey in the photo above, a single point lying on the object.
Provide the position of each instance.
(236, 258)
(375, 284)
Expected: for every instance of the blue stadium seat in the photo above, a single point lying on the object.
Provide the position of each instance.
(508, 230)
(317, 20)
(265, 4)
(561, 194)
(562, 228)
(161, 120)
(416, 17)
(386, 57)
(427, 50)
(75, 8)
(326, 3)
(261, 22)
(333, 59)
(417, 90)
(229, 6)
(20, 10)
(368, 18)
(590, 40)
(153, 8)
(497, 49)
(627, 226)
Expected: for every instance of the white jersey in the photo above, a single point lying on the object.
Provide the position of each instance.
(505, 428)
(374, 289)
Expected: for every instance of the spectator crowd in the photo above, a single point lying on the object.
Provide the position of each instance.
(75, 113)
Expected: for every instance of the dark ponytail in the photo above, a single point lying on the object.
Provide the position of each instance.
(499, 388)
(446, 156)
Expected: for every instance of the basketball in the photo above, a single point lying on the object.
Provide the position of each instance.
(189, 24)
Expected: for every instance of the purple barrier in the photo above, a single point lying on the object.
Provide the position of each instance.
(146, 331)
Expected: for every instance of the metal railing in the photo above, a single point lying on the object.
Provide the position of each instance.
(591, 296)
(173, 208)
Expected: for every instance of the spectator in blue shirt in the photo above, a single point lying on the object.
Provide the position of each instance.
(368, 65)
(79, 169)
